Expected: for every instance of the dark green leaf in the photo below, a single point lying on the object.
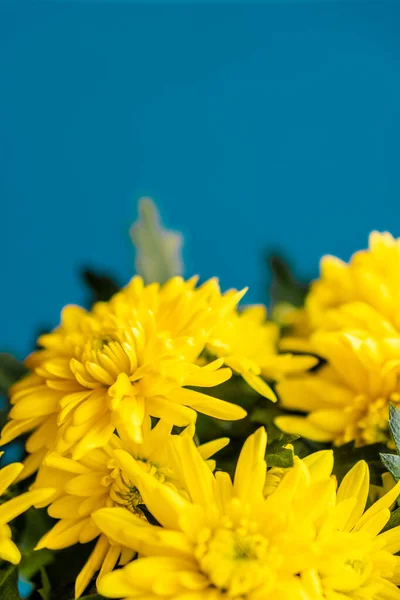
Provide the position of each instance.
(36, 523)
(283, 458)
(394, 520)
(63, 571)
(10, 371)
(9, 583)
(101, 286)
(34, 561)
(394, 424)
(284, 286)
(92, 597)
(392, 463)
(158, 251)
(45, 590)
(279, 456)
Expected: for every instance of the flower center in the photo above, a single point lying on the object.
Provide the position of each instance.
(236, 562)
(123, 491)
(102, 341)
(351, 575)
(130, 498)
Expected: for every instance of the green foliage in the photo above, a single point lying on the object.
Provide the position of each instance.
(348, 455)
(158, 251)
(8, 583)
(10, 371)
(45, 591)
(279, 456)
(36, 524)
(265, 414)
(62, 572)
(101, 286)
(394, 425)
(285, 287)
(392, 461)
(394, 520)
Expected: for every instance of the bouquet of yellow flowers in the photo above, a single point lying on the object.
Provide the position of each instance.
(180, 445)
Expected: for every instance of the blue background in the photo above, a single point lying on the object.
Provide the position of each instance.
(252, 126)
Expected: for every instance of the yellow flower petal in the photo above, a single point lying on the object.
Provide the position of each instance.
(251, 468)
(220, 409)
(8, 475)
(259, 385)
(301, 426)
(12, 508)
(9, 551)
(355, 484)
(210, 448)
(91, 566)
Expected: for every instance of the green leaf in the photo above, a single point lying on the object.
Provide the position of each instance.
(158, 251)
(10, 371)
(394, 425)
(36, 523)
(279, 456)
(45, 590)
(285, 287)
(283, 458)
(92, 597)
(9, 583)
(394, 520)
(392, 463)
(63, 571)
(34, 561)
(101, 286)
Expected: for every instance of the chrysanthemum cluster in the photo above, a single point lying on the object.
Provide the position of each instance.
(307, 539)
(351, 319)
(108, 414)
(141, 354)
(102, 376)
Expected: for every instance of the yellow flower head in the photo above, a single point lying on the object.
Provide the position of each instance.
(226, 540)
(132, 356)
(248, 343)
(306, 540)
(361, 294)
(9, 509)
(107, 477)
(353, 560)
(347, 399)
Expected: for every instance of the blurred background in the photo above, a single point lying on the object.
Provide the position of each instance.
(254, 127)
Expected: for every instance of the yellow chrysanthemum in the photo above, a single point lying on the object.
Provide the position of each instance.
(97, 480)
(348, 398)
(227, 540)
(353, 560)
(132, 356)
(248, 344)
(9, 509)
(361, 294)
(306, 540)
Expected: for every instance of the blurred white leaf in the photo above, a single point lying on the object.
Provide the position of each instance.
(158, 250)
